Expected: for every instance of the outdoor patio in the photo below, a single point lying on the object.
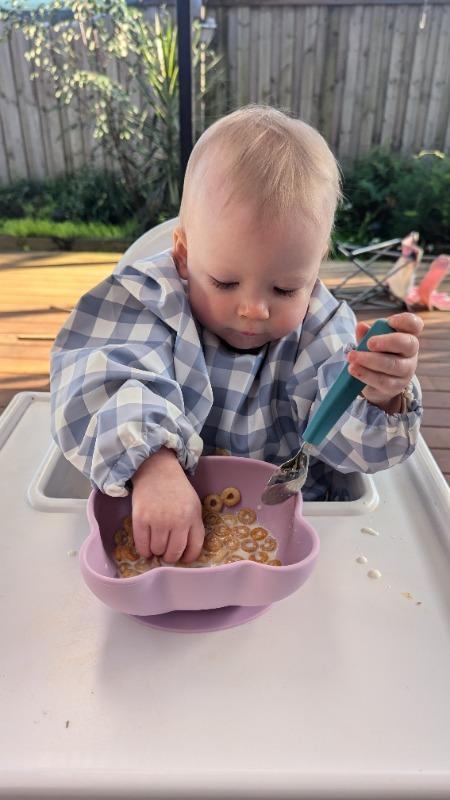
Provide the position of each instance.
(37, 295)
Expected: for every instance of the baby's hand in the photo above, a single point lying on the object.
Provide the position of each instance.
(167, 513)
(391, 362)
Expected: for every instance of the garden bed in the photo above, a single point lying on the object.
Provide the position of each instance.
(16, 243)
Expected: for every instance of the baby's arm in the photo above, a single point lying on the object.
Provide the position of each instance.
(116, 397)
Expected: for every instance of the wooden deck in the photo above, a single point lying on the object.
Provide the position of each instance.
(39, 289)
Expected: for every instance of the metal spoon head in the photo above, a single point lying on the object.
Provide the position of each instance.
(287, 480)
(278, 493)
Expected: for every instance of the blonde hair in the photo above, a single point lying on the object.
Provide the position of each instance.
(279, 163)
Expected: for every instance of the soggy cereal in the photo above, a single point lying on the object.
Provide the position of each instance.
(211, 518)
(246, 516)
(261, 557)
(249, 546)
(269, 544)
(212, 543)
(229, 537)
(258, 534)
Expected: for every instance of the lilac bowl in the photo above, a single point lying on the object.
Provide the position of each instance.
(241, 583)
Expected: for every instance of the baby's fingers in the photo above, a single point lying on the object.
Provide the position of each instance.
(195, 542)
(386, 385)
(404, 344)
(387, 363)
(402, 341)
(159, 538)
(406, 323)
(176, 545)
(141, 536)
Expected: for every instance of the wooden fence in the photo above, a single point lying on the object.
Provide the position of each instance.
(363, 73)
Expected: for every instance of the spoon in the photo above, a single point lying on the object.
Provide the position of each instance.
(290, 476)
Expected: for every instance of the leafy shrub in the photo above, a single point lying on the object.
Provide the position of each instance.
(85, 196)
(387, 195)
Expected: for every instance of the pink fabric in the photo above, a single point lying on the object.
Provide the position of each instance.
(425, 295)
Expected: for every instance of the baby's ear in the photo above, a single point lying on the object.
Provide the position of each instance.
(179, 252)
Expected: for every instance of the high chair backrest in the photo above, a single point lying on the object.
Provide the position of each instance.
(151, 242)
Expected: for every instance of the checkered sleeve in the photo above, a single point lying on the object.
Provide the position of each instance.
(117, 369)
(365, 438)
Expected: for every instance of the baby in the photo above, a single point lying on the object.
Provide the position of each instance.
(228, 342)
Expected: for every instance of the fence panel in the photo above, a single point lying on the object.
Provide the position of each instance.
(365, 74)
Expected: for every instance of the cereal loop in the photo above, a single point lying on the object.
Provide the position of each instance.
(260, 557)
(222, 531)
(246, 516)
(243, 531)
(231, 559)
(229, 519)
(120, 537)
(128, 572)
(258, 534)
(212, 543)
(231, 542)
(211, 518)
(144, 564)
(204, 558)
(217, 558)
(213, 502)
(231, 496)
(275, 562)
(269, 544)
(126, 553)
(249, 545)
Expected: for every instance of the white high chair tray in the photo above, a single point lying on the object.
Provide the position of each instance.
(340, 691)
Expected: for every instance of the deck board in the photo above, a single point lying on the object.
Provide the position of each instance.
(39, 289)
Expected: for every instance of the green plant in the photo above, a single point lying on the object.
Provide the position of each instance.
(88, 195)
(386, 195)
(66, 230)
(134, 118)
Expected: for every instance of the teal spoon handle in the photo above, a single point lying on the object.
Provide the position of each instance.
(342, 393)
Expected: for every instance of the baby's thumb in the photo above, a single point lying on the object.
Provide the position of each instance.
(361, 330)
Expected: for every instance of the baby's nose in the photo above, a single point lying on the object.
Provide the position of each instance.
(254, 310)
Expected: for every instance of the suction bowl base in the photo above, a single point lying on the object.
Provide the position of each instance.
(212, 619)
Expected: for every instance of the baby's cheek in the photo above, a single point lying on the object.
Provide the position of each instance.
(204, 307)
(289, 318)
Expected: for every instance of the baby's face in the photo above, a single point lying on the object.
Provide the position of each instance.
(249, 284)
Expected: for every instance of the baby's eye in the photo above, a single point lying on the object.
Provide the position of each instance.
(284, 292)
(225, 286)
(221, 285)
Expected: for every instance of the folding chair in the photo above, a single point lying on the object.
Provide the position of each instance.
(379, 292)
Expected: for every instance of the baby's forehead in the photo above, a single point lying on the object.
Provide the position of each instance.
(217, 194)
(238, 242)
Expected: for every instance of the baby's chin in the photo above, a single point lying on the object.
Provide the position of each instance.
(242, 342)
